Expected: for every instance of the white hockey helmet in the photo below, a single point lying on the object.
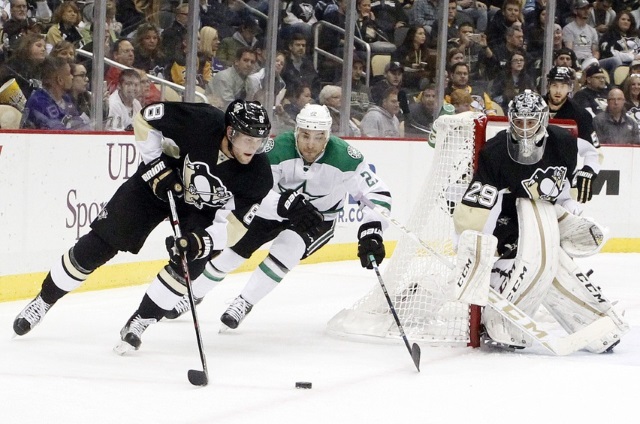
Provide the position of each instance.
(528, 119)
(314, 117)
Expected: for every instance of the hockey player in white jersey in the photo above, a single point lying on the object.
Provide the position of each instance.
(520, 193)
(313, 173)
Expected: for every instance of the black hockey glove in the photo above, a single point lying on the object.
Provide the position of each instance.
(195, 245)
(161, 178)
(302, 215)
(370, 243)
(584, 183)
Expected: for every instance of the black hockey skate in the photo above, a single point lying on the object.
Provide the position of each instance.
(30, 316)
(181, 307)
(131, 334)
(236, 312)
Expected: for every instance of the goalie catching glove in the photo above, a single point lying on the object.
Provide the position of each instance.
(195, 245)
(584, 183)
(302, 215)
(161, 178)
(370, 243)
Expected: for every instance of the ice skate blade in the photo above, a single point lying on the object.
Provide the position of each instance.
(223, 329)
(123, 347)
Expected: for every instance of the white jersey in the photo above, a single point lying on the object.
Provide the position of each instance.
(120, 115)
(341, 170)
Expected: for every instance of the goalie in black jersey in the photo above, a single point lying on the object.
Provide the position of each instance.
(211, 161)
(520, 193)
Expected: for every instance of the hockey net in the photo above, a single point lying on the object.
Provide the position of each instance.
(415, 279)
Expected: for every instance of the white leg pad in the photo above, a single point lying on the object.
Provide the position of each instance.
(575, 302)
(526, 280)
(474, 260)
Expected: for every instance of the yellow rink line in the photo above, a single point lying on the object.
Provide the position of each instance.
(24, 286)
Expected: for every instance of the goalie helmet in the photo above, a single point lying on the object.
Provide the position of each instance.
(314, 117)
(527, 134)
(249, 118)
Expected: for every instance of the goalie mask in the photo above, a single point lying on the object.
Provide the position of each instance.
(248, 118)
(527, 134)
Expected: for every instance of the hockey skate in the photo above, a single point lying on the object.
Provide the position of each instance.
(30, 316)
(131, 334)
(488, 344)
(236, 312)
(182, 306)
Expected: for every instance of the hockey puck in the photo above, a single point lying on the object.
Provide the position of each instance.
(303, 385)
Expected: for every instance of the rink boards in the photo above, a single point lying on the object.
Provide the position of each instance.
(54, 185)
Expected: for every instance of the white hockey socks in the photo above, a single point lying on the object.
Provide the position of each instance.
(67, 275)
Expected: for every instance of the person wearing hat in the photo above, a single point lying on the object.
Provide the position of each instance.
(560, 83)
(593, 96)
(245, 36)
(613, 125)
(393, 77)
(579, 36)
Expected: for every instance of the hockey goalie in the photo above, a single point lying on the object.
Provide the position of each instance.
(520, 194)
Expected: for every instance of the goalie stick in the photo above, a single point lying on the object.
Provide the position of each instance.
(414, 349)
(560, 346)
(196, 377)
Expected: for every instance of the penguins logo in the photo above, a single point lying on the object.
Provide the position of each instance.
(545, 184)
(202, 188)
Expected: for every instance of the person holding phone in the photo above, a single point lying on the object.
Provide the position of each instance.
(481, 58)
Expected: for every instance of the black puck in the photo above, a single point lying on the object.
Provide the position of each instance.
(303, 385)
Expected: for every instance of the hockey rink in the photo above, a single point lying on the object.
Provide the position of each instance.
(65, 371)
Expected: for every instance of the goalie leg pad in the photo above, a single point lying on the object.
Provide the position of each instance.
(474, 261)
(526, 280)
(575, 302)
(579, 237)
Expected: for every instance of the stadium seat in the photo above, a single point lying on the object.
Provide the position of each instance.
(10, 117)
(378, 62)
(620, 74)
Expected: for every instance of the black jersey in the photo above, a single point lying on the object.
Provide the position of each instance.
(584, 120)
(210, 179)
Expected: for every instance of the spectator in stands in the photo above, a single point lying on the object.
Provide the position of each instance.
(479, 56)
(454, 21)
(51, 107)
(579, 36)
(172, 37)
(601, 16)
(512, 81)
(422, 113)
(381, 120)
(631, 90)
(231, 83)
(208, 48)
(565, 57)
(299, 67)
(177, 71)
(393, 76)
(613, 125)
(79, 94)
(24, 64)
(224, 15)
(424, 13)
(65, 50)
(256, 84)
(360, 92)
(593, 96)
(297, 16)
(477, 11)
(147, 51)
(123, 53)
(514, 42)
(124, 103)
(390, 15)
(508, 16)
(413, 55)
(558, 42)
(459, 79)
(366, 26)
(244, 37)
(456, 55)
(65, 26)
(462, 101)
(18, 24)
(149, 93)
(534, 32)
(620, 44)
(131, 14)
(331, 97)
(298, 95)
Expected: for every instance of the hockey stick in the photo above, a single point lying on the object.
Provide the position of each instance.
(556, 345)
(414, 350)
(196, 377)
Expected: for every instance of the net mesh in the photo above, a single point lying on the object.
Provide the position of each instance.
(415, 279)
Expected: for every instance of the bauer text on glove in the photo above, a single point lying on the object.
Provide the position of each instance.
(299, 211)
(370, 243)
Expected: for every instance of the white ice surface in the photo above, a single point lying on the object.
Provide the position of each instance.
(64, 371)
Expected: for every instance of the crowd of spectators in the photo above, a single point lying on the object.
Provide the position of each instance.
(494, 53)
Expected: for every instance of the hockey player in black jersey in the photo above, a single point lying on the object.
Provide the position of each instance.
(210, 160)
(520, 193)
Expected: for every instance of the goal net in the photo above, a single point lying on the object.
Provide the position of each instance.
(415, 279)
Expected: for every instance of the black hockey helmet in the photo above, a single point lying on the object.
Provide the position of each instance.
(249, 118)
(562, 74)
